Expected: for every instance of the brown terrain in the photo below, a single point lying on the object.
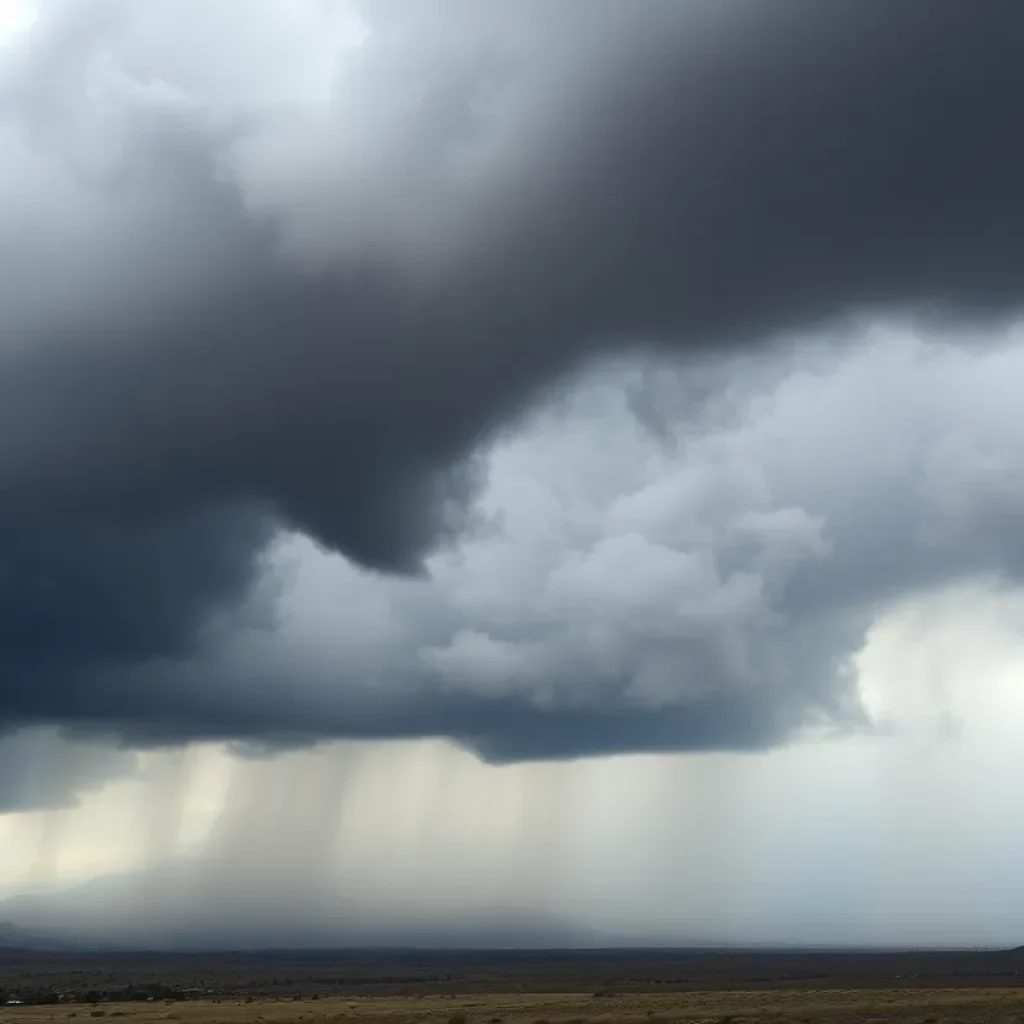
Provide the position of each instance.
(606, 987)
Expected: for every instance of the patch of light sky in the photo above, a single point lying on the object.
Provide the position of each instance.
(16, 17)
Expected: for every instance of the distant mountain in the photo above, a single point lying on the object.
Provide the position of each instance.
(181, 905)
(13, 936)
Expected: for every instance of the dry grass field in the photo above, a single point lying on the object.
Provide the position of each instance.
(540, 987)
(870, 1006)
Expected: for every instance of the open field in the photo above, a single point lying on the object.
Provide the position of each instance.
(539, 987)
(921, 1006)
(461, 973)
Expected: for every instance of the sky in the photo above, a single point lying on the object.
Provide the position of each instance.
(487, 473)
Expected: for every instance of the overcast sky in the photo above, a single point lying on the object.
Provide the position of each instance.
(543, 471)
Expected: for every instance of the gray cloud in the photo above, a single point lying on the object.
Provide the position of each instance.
(487, 194)
(313, 275)
(79, 598)
(39, 769)
(702, 586)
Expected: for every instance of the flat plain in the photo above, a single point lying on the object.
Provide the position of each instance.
(805, 1006)
(581, 987)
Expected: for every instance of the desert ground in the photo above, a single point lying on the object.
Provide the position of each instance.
(805, 1006)
(606, 987)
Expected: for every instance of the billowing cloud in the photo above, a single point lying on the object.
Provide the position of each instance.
(315, 272)
(705, 584)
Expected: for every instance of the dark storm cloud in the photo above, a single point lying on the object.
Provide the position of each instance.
(118, 592)
(77, 598)
(39, 770)
(696, 173)
(211, 300)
